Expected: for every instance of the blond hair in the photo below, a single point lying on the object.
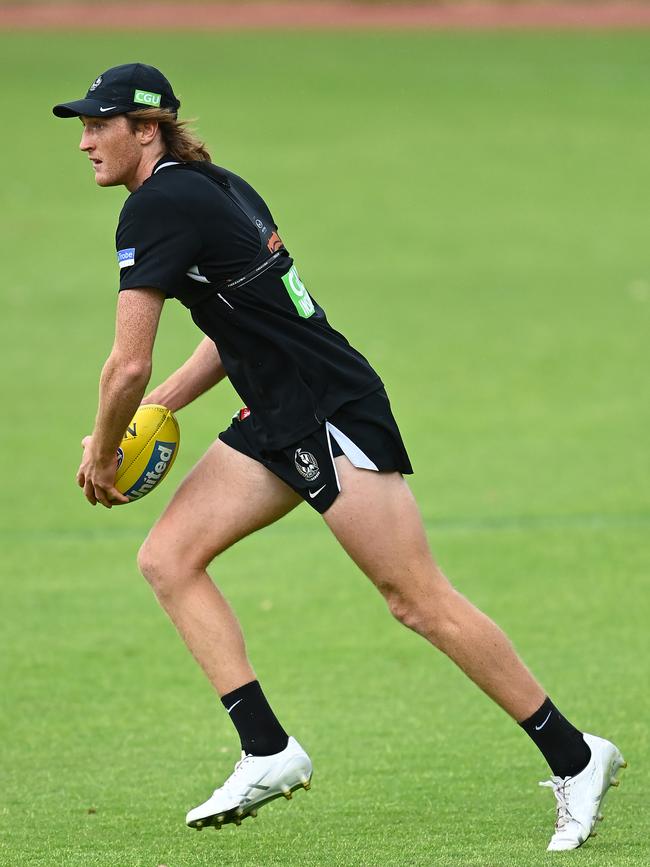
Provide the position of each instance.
(180, 141)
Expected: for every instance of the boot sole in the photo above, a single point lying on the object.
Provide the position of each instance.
(236, 815)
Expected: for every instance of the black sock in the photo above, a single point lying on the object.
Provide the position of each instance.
(561, 744)
(259, 730)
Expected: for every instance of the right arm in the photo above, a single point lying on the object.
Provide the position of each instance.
(202, 370)
(162, 243)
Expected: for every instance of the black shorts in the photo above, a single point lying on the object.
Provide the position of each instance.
(363, 430)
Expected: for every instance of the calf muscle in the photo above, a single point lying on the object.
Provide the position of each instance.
(377, 522)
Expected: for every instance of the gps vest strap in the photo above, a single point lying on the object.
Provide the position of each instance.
(262, 261)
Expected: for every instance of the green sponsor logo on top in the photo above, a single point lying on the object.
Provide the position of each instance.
(298, 294)
(145, 97)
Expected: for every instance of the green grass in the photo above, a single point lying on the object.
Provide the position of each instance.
(260, 2)
(472, 212)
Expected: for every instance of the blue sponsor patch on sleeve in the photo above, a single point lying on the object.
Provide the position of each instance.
(126, 257)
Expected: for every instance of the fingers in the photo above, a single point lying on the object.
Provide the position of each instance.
(81, 475)
(107, 497)
(116, 497)
(102, 497)
(89, 492)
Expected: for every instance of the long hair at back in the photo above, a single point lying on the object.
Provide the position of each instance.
(180, 141)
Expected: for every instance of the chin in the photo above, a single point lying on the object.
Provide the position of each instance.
(106, 181)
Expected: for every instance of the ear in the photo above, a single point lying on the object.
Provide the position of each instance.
(147, 131)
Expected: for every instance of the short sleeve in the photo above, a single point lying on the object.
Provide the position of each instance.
(156, 243)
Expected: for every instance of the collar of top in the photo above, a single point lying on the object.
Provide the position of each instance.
(130, 87)
(164, 162)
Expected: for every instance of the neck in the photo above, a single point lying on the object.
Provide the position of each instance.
(143, 170)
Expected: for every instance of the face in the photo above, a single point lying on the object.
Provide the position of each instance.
(113, 149)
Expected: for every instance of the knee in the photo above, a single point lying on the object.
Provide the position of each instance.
(152, 564)
(161, 566)
(429, 614)
(406, 610)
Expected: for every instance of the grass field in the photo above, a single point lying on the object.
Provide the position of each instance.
(356, 2)
(472, 212)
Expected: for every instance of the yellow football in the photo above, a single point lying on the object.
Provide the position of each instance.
(147, 451)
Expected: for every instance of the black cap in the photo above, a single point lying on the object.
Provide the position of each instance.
(130, 87)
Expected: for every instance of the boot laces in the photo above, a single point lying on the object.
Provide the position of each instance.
(238, 768)
(560, 788)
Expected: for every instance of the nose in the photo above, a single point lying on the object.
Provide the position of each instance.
(85, 144)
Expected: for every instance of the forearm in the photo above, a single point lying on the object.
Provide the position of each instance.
(121, 387)
(202, 370)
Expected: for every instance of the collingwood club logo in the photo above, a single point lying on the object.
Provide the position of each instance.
(96, 83)
(306, 464)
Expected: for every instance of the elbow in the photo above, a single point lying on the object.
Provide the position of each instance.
(134, 371)
(137, 372)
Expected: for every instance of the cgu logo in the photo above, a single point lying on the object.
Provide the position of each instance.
(145, 97)
(156, 469)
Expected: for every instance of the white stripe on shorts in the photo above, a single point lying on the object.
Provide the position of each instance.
(329, 446)
(351, 451)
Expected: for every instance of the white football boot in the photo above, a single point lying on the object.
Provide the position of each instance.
(255, 781)
(579, 798)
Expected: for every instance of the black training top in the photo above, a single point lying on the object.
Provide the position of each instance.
(202, 235)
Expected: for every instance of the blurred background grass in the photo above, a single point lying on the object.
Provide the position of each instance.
(303, 2)
(471, 210)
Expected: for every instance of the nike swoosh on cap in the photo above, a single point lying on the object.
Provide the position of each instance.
(110, 108)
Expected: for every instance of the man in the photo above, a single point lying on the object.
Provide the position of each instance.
(317, 426)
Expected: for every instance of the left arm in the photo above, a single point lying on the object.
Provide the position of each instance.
(122, 385)
(202, 370)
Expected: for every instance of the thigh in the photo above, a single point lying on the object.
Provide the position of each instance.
(378, 523)
(225, 497)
